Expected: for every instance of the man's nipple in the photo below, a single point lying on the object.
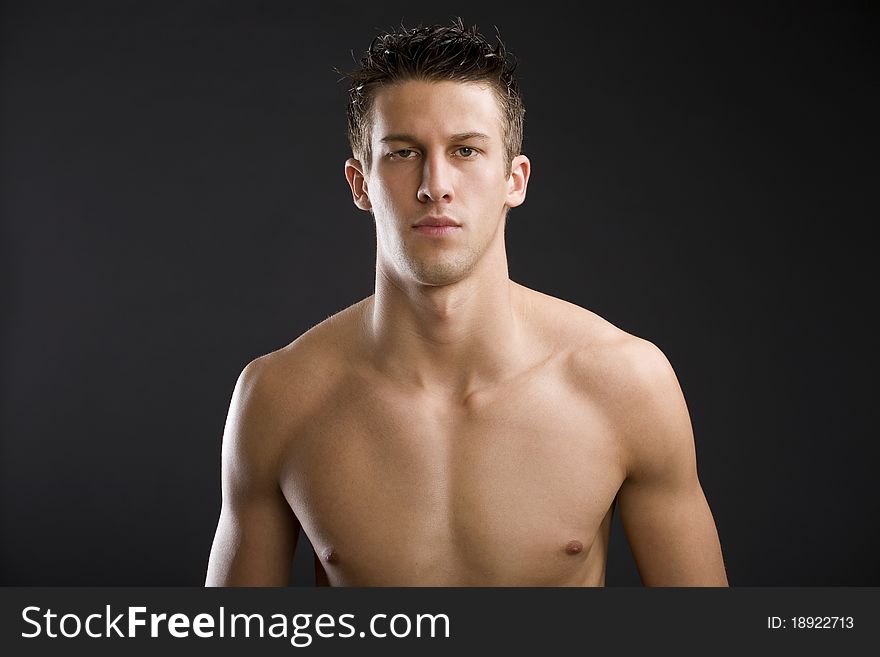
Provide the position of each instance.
(574, 547)
(329, 555)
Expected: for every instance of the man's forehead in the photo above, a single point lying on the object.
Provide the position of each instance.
(450, 109)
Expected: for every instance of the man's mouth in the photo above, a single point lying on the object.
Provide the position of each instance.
(441, 220)
(436, 226)
(436, 231)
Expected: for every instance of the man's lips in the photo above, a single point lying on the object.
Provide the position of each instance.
(436, 226)
(437, 221)
(436, 231)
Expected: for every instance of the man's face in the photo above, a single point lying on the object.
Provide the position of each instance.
(438, 155)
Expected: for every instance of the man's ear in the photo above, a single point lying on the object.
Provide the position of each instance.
(518, 180)
(354, 173)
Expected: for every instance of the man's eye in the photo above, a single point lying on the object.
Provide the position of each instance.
(403, 154)
(467, 152)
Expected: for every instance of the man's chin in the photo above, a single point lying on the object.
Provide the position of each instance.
(439, 273)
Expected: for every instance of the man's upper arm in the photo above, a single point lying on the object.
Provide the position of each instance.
(663, 509)
(257, 532)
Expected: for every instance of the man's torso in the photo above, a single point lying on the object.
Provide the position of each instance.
(402, 485)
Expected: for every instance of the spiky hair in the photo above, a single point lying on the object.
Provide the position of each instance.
(434, 53)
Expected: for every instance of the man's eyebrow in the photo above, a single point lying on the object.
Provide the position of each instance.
(461, 136)
(467, 136)
(396, 137)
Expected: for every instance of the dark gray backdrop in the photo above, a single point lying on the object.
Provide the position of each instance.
(173, 205)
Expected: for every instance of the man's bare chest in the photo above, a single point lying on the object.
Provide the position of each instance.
(505, 488)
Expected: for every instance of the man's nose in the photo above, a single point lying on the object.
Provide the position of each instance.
(436, 181)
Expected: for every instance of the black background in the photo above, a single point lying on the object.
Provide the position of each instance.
(173, 205)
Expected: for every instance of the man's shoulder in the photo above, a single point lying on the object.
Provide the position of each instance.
(301, 373)
(624, 364)
(602, 357)
(634, 384)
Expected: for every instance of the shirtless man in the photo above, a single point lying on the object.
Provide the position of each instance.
(456, 428)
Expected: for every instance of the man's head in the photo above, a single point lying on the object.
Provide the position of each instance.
(433, 143)
(435, 53)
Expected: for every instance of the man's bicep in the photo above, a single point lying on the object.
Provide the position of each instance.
(662, 506)
(257, 531)
(672, 534)
(254, 544)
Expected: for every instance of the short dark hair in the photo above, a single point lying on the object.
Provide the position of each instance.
(434, 53)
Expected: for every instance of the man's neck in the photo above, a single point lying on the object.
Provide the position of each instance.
(454, 338)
